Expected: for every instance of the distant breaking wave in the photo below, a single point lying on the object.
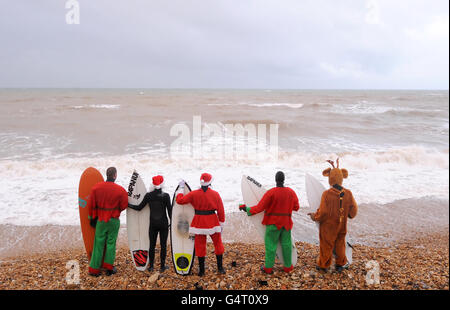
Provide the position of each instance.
(360, 108)
(262, 105)
(366, 108)
(98, 106)
(275, 104)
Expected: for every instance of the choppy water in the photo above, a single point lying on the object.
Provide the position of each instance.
(394, 144)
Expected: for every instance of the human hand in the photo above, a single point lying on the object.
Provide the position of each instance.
(242, 207)
(181, 184)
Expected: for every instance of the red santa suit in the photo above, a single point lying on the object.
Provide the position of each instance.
(208, 219)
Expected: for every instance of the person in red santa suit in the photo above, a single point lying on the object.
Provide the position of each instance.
(209, 219)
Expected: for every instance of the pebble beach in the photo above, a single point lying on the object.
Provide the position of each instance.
(419, 263)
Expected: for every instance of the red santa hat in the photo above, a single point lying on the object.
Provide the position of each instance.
(158, 181)
(205, 179)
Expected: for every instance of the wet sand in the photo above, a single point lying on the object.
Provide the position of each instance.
(420, 263)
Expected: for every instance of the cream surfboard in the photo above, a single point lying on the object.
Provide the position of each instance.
(138, 223)
(182, 242)
(252, 192)
(314, 191)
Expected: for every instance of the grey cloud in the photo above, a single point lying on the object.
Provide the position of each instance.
(218, 44)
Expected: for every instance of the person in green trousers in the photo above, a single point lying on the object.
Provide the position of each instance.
(108, 200)
(277, 204)
(272, 236)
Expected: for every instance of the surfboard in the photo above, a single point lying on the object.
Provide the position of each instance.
(252, 192)
(181, 241)
(314, 191)
(88, 179)
(138, 223)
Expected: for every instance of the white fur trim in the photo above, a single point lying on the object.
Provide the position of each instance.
(205, 231)
(203, 183)
(153, 187)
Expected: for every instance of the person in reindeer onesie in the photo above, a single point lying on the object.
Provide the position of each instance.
(277, 204)
(209, 219)
(337, 204)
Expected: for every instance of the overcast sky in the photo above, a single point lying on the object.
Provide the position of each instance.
(389, 44)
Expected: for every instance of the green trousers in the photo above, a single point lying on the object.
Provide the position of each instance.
(271, 239)
(105, 233)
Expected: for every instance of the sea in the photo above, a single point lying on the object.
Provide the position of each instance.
(394, 144)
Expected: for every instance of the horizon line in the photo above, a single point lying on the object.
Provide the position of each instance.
(223, 88)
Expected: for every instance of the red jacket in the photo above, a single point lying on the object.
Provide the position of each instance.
(278, 204)
(204, 201)
(107, 201)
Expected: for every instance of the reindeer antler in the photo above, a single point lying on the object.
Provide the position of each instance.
(331, 163)
(337, 161)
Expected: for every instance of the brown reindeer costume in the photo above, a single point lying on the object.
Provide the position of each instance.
(337, 204)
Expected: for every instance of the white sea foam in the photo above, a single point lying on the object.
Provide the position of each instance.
(98, 106)
(45, 192)
(364, 107)
(394, 144)
(219, 104)
(262, 104)
(273, 104)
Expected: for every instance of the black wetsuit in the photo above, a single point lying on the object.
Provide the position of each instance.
(159, 203)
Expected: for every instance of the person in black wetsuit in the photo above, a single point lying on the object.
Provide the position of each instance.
(159, 203)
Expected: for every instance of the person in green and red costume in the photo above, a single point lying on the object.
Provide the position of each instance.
(277, 204)
(108, 200)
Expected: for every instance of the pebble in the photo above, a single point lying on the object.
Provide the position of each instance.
(153, 278)
(421, 263)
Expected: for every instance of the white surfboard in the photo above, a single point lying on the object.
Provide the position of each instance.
(252, 192)
(181, 241)
(138, 223)
(314, 191)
